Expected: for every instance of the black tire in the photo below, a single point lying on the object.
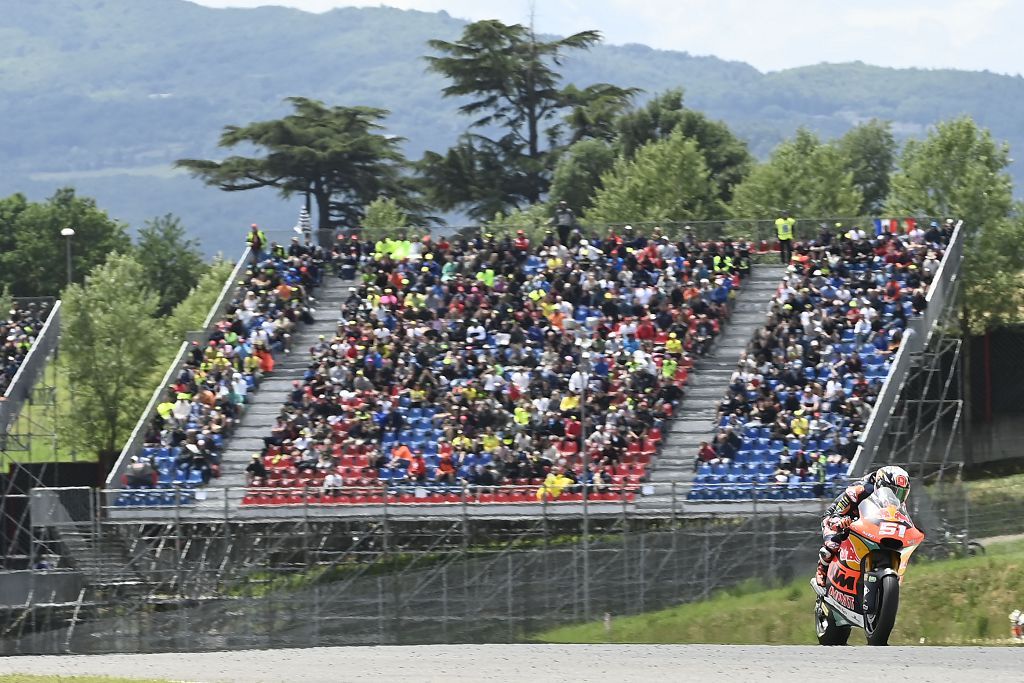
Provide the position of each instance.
(828, 632)
(879, 625)
(974, 549)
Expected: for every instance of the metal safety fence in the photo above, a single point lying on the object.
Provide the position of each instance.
(20, 388)
(395, 574)
(119, 578)
(761, 232)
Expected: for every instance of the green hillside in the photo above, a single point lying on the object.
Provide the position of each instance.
(954, 602)
(106, 93)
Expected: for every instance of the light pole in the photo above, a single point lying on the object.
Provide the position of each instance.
(67, 234)
(584, 370)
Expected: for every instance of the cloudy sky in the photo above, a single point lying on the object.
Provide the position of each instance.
(770, 34)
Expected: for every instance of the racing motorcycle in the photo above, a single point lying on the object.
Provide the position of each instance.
(863, 584)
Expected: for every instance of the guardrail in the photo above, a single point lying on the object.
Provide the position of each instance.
(213, 503)
(757, 230)
(20, 388)
(135, 441)
(915, 340)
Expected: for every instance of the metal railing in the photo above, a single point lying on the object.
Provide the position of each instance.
(915, 340)
(406, 573)
(757, 230)
(135, 441)
(225, 504)
(20, 388)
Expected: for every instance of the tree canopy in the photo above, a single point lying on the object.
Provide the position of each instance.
(33, 252)
(111, 344)
(507, 79)
(803, 176)
(725, 155)
(957, 170)
(337, 156)
(383, 216)
(869, 153)
(171, 260)
(666, 180)
(578, 173)
(960, 170)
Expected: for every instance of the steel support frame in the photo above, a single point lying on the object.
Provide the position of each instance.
(926, 424)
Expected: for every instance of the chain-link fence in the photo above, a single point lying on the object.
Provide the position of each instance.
(978, 510)
(216, 575)
(384, 576)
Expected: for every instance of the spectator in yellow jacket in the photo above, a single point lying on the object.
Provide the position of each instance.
(554, 484)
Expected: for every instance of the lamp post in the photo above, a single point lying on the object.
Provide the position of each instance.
(67, 234)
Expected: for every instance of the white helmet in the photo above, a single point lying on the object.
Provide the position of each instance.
(894, 478)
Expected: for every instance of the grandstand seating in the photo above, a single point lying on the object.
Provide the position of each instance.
(763, 463)
(184, 441)
(18, 330)
(397, 417)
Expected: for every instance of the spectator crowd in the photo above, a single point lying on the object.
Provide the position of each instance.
(274, 295)
(18, 331)
(469, 362)
(479, 361)
(804, 390)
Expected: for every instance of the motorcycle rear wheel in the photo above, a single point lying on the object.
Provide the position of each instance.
(827, 630)
(879, 625)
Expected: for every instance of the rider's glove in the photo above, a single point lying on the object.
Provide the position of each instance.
(840, 522)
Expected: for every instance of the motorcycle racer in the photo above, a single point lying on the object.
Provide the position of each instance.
(843, 511)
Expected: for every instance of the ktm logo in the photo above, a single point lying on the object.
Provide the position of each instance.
(847, 581)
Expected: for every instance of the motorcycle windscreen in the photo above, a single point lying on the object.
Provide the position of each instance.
(888, 519)
(883, 505)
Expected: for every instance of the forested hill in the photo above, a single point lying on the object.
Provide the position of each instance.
(104, 94)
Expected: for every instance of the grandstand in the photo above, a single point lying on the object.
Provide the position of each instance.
(803, 393)
(29, 335)
(318, 432)
(405, 557)
(635, 345)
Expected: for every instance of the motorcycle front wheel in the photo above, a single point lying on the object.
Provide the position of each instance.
(879, 625)
(828, 631)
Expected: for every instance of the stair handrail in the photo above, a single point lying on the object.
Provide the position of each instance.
(915, 340)
(20, 388)
(135, 441)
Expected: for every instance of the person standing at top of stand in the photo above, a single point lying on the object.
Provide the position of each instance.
(565, 220)
(784, 230)
(257, 241)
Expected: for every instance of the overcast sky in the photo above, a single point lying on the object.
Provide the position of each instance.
(770, 34)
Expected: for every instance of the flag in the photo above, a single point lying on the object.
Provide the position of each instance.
(910, 224)
(881, 226)
(304, 226)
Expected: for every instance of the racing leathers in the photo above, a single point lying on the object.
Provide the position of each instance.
(837, 519)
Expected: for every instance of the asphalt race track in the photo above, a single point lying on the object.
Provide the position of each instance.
(542, 663)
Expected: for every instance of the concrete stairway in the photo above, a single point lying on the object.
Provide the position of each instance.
(706, 387)
(265, 403)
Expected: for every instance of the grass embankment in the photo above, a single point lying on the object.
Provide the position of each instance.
(994, 505)
(43, 420)
(952, 602)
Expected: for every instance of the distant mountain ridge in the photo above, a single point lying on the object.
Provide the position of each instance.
(104, 94)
